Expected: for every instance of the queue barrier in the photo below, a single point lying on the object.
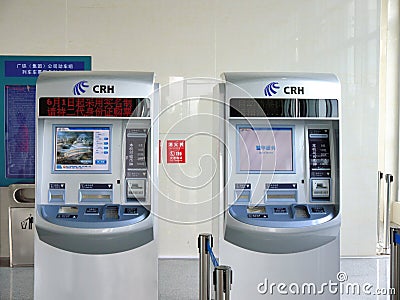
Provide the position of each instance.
(222, 275)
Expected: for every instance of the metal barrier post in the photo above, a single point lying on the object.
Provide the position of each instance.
(379, 219)
(394, 262)
(204, 239)
(222, 280)
(386, 219)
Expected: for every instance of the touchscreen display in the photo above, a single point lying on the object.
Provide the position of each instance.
(82, 148)
(266, 149)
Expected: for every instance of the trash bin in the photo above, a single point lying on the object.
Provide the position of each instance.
(21, 224)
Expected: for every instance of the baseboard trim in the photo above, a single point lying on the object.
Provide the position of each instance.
(4, 261)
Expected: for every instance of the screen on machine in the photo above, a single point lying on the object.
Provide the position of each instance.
(81, 148)
(266, 149)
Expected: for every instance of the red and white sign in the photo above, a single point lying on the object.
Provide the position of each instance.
(176, 151)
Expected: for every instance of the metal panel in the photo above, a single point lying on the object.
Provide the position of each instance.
(21, 236)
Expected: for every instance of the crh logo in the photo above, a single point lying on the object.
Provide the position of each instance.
(294, 90)
(103, 89)
(271, 89)
(80, 87)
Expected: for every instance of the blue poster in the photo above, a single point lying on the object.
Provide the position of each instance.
(20, 130)
(18, 76)
(17, 68)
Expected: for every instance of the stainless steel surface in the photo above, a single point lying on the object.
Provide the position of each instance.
(21, 224)
(204, 265)
(22, 194)
(21, 236)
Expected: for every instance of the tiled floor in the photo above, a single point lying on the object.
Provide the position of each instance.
(370, 273)
(16, 283)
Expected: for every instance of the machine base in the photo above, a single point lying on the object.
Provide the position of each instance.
(64, 275)
(290, 276)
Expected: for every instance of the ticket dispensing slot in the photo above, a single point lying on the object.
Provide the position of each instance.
(257, 212)
(111, 212)
(301, 212)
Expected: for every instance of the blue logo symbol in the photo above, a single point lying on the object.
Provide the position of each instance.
(80, 87)
(265, 147)
(271, 88)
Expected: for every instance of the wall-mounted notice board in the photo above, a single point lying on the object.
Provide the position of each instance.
(18, 76)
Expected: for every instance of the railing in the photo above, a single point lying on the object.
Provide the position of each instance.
(222, 275)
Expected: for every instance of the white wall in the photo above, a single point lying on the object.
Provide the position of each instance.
(204, 38)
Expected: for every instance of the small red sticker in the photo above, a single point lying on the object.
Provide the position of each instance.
(176, 151)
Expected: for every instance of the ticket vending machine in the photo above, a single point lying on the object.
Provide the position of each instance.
(281, 226)
(96, 174)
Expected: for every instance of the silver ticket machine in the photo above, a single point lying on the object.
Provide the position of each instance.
(281, 223)
(96, 174)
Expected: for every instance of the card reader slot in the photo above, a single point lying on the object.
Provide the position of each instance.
(242, 196)
(95, 195)
(57, 195)
(281, 196)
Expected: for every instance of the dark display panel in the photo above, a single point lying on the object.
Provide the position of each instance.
(93, 107)
(262, 107)
(136, 153)
(319, 152)
(272, 107)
